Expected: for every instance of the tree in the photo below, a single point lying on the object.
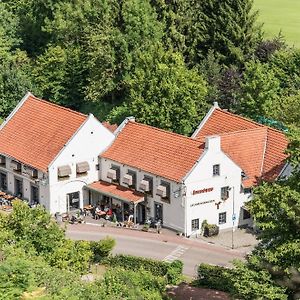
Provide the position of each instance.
(259, 90)
(227, 27)
(162, 92)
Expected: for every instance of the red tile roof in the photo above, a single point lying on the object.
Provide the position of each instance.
(156, 151)
(244, 142)
(221, 121)
(117, 191)
(110, 127)
(246, 148)
(38, 131)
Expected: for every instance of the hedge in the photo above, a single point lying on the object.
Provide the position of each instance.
(214, 277)
(172, 271)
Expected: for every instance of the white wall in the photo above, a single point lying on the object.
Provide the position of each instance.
(86, 145)
(203, 206)
(173, 212)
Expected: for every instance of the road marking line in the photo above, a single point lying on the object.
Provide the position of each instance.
(176, 253)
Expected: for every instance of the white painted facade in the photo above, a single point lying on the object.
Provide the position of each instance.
(172, 210)
(203, 190)
(87, 143)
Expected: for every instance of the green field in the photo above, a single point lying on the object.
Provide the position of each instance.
(281, 15)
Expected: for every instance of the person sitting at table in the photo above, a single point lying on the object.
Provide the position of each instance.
(99, 213)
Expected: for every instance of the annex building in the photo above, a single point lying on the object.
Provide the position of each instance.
(65, 160)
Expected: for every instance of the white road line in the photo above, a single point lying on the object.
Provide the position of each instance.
(176, 253)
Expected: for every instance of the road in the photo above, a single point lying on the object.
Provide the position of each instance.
(162, 247)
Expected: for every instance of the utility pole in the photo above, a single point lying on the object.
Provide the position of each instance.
(233, 219)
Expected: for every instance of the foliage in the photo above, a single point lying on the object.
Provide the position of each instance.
(240, 281)
(172, 271)
(259, 90)
(122, 283)
(101, 249)
(162, 92)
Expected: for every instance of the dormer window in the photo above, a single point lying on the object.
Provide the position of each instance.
(216, 170)
(114, 173)
(163, 190)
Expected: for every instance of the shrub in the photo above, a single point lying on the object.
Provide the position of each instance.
(214, 277)
(101, 249)
(209, 229)
(172, 271)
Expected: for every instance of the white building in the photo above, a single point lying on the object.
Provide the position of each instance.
(48, 153)
(188, 180)
(64, 159)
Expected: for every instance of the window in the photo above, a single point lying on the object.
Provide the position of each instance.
(222, 218)
(114, 174)
(15, 166)
(82, 168)
(225, 192)
(34, 194)
(147, 185)
(195, 224)
(3, 181)
(2, 161)
(246, 214)
(73, 201)
(19, 187)
(64, 172)
(164, 191)
(130, 179)
(216, 170)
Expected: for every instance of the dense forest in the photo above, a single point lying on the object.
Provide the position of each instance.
(162, 61)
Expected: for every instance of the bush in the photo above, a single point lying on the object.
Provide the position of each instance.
(209, 229)
(241, 282)
(214, 277)
(172, 271)
(101, 249)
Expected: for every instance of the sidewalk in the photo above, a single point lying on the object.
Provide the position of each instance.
(242, 240)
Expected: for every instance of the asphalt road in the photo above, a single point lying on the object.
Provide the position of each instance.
(161, 247)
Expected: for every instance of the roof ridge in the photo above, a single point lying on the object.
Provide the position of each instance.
(264, 154)
(58, 106)
(233, 132)
(249, 120)
(163, 130)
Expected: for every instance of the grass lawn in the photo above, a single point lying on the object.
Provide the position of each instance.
(281, 15)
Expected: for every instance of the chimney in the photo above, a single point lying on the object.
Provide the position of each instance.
(213, 143)
(216, 105)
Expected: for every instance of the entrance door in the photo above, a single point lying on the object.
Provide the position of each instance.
(158, 212)
(19, 187)
(34, 195)
(73, 201)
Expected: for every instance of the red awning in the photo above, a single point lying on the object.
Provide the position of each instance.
(116, 191)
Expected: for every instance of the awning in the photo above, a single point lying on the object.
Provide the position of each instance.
(127, 179)
(161, 191)
(145, 185)
(112, 174)
(116, 191)
(82, 167)
(64, 171)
